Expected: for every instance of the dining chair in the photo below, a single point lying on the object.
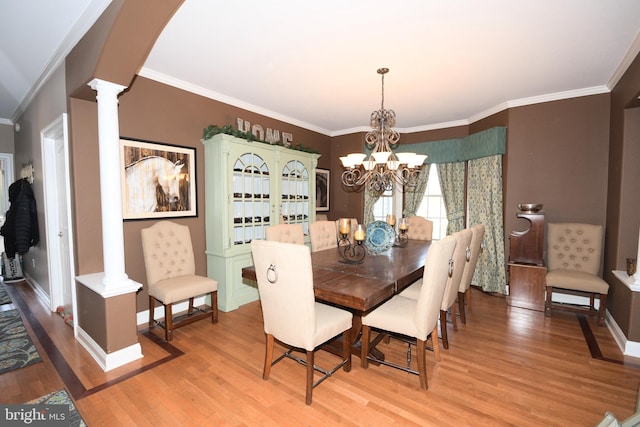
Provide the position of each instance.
(290, 313)
(464, 294)
(461, 257)
(170, 267)
(323, 235)
(414, 319)
(285, 233)
(574, 254)
(420, 228)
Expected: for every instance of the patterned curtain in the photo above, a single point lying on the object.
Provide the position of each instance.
(370, 199)
(451, 177)
(413, 197)
(485, 207)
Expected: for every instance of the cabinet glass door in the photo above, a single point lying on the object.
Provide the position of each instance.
(251, 198)
(295, 194)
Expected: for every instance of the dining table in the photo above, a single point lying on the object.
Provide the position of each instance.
(360, 287)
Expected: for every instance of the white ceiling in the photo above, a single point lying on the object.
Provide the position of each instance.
(314, 64)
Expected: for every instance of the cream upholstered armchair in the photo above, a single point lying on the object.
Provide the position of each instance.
(323, 235)
(574, 252)
(420, 228)
(290, 313)
(415, 318)
(171, 278)
(464, 294)
(461, 258)
(285, 233)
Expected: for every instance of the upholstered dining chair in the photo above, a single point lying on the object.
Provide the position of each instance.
(464, 294)
(420, 228)
(408, 317)
(285, 233)
(461, 256)
(290, 313)
(323, 235)
(574, 253)
(171, 278)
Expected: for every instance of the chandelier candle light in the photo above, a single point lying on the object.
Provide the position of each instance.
(383, 167)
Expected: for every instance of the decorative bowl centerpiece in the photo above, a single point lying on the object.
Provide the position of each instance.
(530, 207)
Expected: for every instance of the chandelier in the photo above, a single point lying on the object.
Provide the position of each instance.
(383, 168)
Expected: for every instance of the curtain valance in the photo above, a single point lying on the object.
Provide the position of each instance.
(486, 143)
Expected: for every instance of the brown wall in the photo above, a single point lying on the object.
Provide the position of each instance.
(623, 205)
(154, 112)
(557, 155)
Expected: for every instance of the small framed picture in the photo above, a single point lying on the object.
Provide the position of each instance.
(158, 180)
(322, 190)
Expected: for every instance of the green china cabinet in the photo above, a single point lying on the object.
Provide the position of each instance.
(250, 186)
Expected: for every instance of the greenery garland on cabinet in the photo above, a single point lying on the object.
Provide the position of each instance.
(212, 130)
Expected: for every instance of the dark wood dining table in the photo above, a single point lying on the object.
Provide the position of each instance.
(361, 287)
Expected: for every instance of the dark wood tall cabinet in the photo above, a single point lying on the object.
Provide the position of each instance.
(527, 271)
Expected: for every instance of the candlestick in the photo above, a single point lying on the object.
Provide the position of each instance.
(359, 234)
(391, 220)
(344, 225)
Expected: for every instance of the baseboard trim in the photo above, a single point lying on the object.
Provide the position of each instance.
(108, 361)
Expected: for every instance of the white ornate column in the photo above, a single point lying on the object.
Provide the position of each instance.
(111, 338)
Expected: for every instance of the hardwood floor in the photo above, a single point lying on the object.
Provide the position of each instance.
(506, 366)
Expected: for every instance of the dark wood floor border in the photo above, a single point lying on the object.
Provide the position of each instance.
(71, 381)
(592, 343)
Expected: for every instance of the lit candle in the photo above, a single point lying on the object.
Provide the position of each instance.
(404, 225)
(359, 234)
(344, 225)
(391, 220)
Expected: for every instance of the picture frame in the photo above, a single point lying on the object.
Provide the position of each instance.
(323, 184)
(158, 180)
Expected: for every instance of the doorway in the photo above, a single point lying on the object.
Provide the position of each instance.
(57, 197)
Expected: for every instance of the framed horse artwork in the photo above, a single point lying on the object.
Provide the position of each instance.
(158, 180)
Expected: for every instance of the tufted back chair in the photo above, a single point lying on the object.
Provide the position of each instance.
(323, 235)
(573, 246)
(285, 233)
(420, 228)
(171, 278)
(574, 252)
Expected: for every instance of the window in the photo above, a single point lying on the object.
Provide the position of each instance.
(383, 206)
(432, 206)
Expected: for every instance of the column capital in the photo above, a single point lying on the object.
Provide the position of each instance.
(99, 85)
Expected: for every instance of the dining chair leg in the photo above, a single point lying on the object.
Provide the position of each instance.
(364, 346)
(463, 317)
(443, 328)
(168, 322)
(346, 349)
(190, 305)
(468, 302)
(454, 317)
(310, 361)
(268, 357)
(422, 363)
(214, 307)
(436, 344)
(152, 306)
